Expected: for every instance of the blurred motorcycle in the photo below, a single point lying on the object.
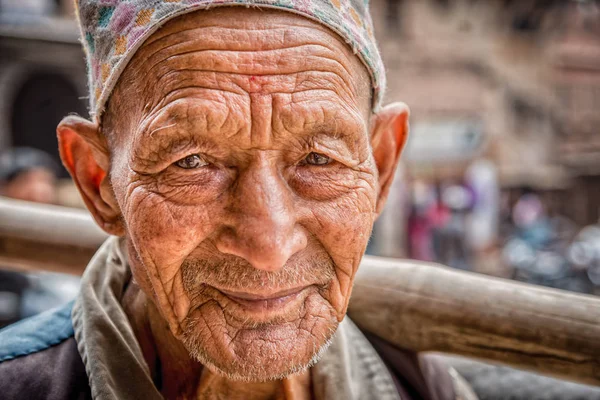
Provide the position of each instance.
(543, 254)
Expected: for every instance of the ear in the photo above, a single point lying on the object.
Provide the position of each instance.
(389, 131)
(84, 152)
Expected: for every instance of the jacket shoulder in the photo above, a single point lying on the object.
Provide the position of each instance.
(39, 359)
(36, 333)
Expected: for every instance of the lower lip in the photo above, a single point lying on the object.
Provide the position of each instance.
(262, 305)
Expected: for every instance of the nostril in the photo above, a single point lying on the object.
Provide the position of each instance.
(226, 241)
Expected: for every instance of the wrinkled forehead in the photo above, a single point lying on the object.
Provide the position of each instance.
(226, 54)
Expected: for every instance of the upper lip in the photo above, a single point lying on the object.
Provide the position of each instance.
(261, 296)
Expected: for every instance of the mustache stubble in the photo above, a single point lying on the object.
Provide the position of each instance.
(235, 273)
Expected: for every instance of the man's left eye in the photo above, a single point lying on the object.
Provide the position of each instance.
(317, 159)
(191, 162)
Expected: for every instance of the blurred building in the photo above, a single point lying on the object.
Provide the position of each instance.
(517, 82)
(42, 72)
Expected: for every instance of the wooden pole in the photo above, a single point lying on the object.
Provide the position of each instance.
(43, 237)
(428, 307)
(417, 306)
(49, 224)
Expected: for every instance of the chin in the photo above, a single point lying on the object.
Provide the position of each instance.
(259, 353)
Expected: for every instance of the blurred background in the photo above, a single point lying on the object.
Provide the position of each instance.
(502, 170)
(501, 175)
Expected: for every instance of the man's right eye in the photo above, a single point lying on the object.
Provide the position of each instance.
(317, 159)
(192, 161)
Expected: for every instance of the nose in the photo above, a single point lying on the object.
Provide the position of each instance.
(262, 226)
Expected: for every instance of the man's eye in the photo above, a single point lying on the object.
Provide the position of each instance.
(317, 159)
(191, 162)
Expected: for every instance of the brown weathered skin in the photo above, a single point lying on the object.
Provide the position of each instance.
(254, 94)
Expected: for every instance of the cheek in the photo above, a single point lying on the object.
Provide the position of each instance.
(343, 227)
(162, 234)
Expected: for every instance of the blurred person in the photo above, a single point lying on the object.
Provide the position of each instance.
(458, 198)
(483, 221)
(421, 223)
(238, 157)
(438, 217)
(531, 221)
(28, 174)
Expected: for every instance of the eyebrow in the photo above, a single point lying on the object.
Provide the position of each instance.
(159, 144)
(169, 127)
(338, 120)
(331, 130)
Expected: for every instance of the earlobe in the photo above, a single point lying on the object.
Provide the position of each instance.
(388, 137)
(85, 155)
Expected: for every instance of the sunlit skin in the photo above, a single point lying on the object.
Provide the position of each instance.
(240, 159)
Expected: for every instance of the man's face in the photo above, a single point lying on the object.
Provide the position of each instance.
(242, 167)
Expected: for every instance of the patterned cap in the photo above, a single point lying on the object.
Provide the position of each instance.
(113, 30)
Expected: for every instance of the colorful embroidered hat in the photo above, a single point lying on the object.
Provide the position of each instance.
(113, 30)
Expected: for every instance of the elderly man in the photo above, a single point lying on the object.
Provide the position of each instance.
(239, 157)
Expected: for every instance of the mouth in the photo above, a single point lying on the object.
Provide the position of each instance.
(266, 302)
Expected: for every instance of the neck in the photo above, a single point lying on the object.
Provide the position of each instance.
(180, 377)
